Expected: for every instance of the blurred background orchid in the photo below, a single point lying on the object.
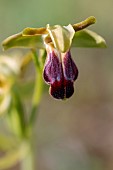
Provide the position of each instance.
(9, 71)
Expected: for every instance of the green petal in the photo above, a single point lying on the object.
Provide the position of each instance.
(61, 36)
(19, 40)
(87, 38)
(34, 31)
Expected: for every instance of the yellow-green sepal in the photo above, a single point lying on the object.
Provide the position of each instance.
(23, 41)
(88, 38)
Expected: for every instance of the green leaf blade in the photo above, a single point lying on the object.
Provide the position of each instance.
(88, 38)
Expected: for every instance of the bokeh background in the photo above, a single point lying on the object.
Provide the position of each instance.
(76, 134)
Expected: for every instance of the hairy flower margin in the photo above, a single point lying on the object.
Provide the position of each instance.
(59, 71)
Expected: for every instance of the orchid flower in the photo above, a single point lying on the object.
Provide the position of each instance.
(59, 70)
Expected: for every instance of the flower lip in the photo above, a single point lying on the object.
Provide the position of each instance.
(60, 72)
(62, 89)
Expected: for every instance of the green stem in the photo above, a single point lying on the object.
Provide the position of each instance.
(37, 96)
(38, 89)
(28, 162)
(16, 115)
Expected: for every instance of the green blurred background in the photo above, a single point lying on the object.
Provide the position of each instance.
(76, 134)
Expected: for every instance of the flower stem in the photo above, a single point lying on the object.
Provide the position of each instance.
(37, 96)
(28, 162)
(87, 22)
(38, 89)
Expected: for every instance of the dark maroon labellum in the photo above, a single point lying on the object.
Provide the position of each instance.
(62, 90)
(60, 72)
